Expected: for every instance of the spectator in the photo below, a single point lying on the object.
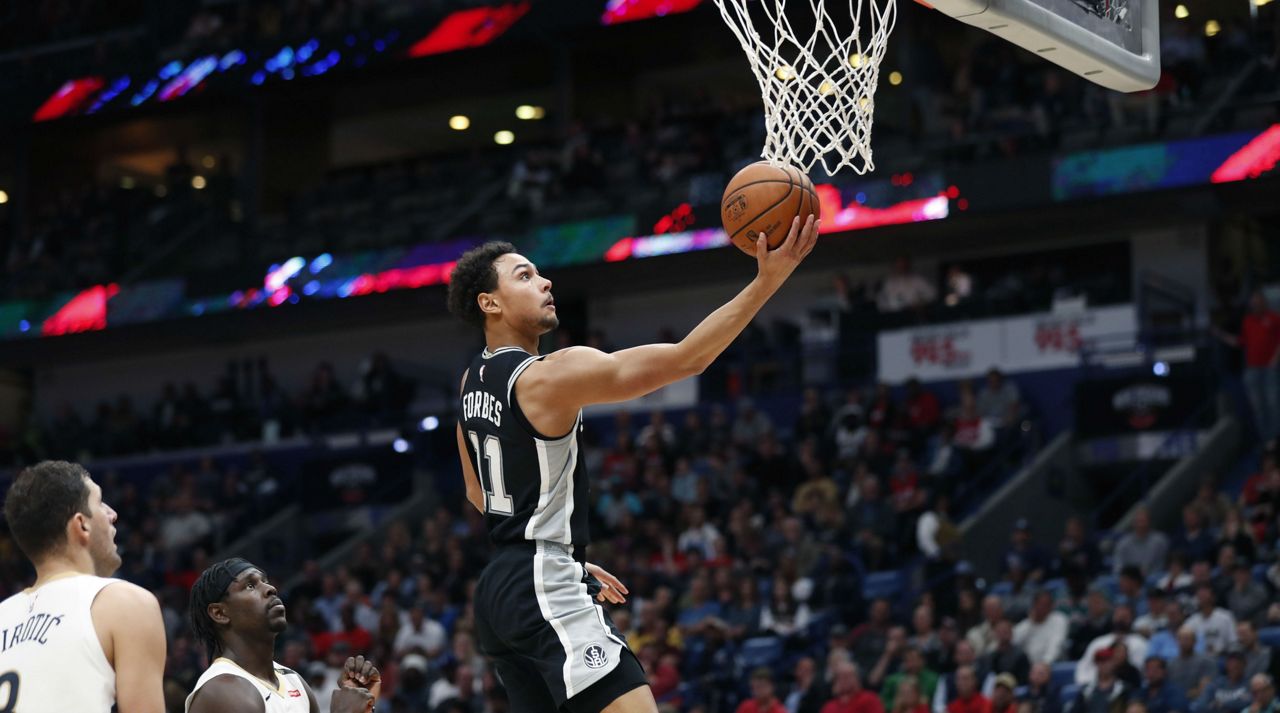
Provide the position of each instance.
(923, 636)
(983, 636)
(419, 634)
(1006, 657)
(1142, 547)
(913, 668)
(783, 616)
(1077, 552)
(907, 699)
(1135, 646)
(1044, 632)
(1106, 693)
(699, 534)
(968, 698)
(1039, 695)
(762, 698)
(936, 533)
(1195, 540)
(1259, 338)
(1214, 625)
(923, 410)
(413, 687)
(809, 692)
(1262, 686)
(850, 696)
(1002, 695)
(891, 659)
(1247, 599)
(1229, 692)
(1257, 658)
(870, 638)
(750, 425)
(999, 401)
(1033, 559)
(904, 289)
(1190, 671)
(948, 688)
(1154, 621)
(959, 286)
(1158, 693)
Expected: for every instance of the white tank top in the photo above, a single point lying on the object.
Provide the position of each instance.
(50, 655)
(289, 696)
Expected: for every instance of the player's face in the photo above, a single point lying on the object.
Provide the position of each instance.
(524, 295)
(252, 602)
(102, 534)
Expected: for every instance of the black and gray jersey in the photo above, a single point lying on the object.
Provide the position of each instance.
(535, 486)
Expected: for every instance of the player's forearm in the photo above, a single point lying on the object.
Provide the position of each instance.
(715, 333)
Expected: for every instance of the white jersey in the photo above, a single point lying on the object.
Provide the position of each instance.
(288, 696)
(50, 656)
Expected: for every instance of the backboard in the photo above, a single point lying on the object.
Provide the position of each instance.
(1114, 43)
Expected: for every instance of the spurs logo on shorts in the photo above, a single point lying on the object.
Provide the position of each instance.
(595, 656)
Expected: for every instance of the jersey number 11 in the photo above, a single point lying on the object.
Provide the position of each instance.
(496, 499)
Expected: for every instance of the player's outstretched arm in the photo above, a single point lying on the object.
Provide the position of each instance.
(579, 376)
(127, 618)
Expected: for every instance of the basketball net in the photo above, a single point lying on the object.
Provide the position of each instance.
(819, 89)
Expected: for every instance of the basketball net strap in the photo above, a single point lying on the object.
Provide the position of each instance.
(818, 90)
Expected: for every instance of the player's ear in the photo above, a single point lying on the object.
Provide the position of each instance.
(218, 613)
(78, 528)
(488, 302)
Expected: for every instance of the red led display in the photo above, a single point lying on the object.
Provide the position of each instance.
(469, 28)
(71, 96)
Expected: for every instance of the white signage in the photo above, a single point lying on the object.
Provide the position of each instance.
(1015, 344)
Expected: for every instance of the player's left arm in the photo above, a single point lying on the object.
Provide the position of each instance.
(475, 495)
(128, 621)
(612, 589)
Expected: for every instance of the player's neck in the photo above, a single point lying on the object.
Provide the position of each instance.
(498, 336)
(61, 567)
(252, 656)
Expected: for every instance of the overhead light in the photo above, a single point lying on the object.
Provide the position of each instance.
(1212, 28)
(826, 89)
(127, 183)
(198, 183)
(895, 78)
(857, 60)
(526, 112)
(458, 122)
(4, 197)
(504, 137)
(785, 73)
(430, 423)
(1181, 12)
(1260, 3)
(400, 445)
(208, 162)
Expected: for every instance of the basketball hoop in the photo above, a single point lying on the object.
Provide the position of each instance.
(818, 90)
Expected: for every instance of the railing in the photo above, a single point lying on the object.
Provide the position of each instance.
(1143, 477)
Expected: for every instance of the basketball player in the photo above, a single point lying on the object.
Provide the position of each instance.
(237, 614)
(76, 640)
(552, 645)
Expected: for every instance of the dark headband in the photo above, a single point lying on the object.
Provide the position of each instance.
(213, 582)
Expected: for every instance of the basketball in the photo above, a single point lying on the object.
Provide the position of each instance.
(762, 200)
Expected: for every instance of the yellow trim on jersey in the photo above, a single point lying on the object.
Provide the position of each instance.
(54, 578)
(279, 686)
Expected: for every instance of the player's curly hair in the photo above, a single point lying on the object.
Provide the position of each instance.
(472, 275)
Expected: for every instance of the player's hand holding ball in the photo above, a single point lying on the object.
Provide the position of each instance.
(772, 211)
